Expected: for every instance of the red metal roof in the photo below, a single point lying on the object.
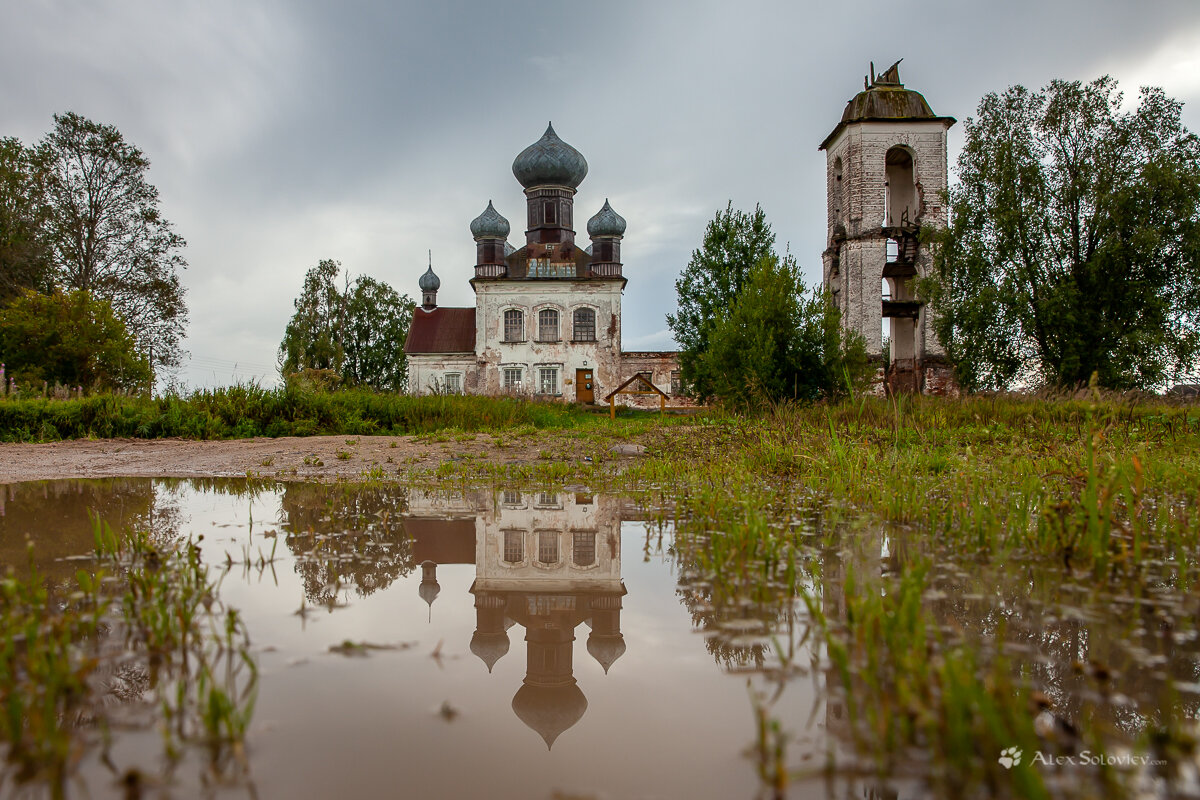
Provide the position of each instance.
(442, 330)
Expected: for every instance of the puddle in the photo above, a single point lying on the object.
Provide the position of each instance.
(521, 644)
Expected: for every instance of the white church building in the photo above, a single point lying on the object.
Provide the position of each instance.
(547, 316)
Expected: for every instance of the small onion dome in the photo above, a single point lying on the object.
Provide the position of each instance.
(509, 249)
(550, 162)
(606, 223)
(490, 224)
(490, 647)
(429, 282)
(549, 710)
(606, 649)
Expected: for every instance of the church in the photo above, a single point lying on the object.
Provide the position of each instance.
(547, 316)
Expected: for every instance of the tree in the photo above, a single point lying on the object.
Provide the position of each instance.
(312, 339)
(734, 242)
(373, 333)
(781, 342)
(70, 338)
(106, 234)
(357, 334)
(1074, 241)
(24, 256)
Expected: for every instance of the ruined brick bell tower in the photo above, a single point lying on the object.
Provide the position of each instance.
(885, 174)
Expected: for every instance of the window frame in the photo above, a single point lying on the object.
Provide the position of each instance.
(519, 327)
(545, 536)
(575, 337)
(542, 328)
(520, 382)
(540, 387)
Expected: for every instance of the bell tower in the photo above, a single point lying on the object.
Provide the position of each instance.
(886, 170)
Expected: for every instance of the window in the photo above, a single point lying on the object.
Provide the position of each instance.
(512, 378)
(676, 383)
(510, 498)
(453, 383)
(548, 499)
(548, 380)
(583, 548)
(514, 326)
(549, 211)
(548, 547)
(547, 325)
(648, 376)
(514, 547)
(585, 325)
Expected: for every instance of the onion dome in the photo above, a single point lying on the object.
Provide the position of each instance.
(429, 282)
(606, 223)
(549, 710)
(550, 162)
(606, 649)
(490, 224)
(490, 647)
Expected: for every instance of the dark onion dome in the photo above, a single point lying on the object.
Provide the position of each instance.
(606, 222)
(550, 162)
(429, 282)
(606, 649)
(549, 710)
(885, 100)
(490, 647)
(490, 224)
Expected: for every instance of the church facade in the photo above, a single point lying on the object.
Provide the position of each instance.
(547, 315)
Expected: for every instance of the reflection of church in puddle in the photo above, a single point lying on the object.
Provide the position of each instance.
(546, 561)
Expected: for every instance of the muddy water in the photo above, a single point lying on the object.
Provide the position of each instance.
(557, 644)
(541, 648)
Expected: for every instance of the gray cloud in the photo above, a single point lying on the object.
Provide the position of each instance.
(281, 134)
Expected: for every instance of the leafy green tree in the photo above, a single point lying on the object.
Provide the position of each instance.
(734, 242)
(781, 342)
(357, 333)
(373, 333)
(312, 339)
(1074, 241)
(70, 338)
(24, 256)
(106, 234)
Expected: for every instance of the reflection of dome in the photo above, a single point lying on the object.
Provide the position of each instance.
(490, 647)
(429, 592)
(490, 224)
(550, 162)
(606, 223)
(549, 710)
(606, 649)
(429, 282)
(429, 588)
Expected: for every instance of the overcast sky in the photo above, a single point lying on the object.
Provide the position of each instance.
(370, 132)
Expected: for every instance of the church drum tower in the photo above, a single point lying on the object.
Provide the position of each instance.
(886, 171)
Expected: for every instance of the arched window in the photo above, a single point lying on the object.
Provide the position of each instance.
(514, 325)
(837, 191)
(583, 548)
(901, 188)
(584, 325)
(548, 325)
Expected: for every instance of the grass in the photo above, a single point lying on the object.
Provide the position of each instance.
(155, 603)
(247, 410)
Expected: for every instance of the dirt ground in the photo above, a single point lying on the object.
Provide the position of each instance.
(288, 458)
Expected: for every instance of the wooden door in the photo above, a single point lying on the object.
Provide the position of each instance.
(584, 390)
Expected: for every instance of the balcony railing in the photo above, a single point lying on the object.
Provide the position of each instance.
(490, 270)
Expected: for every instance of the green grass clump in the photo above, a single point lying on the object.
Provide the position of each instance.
(248, 410)
(163, 603)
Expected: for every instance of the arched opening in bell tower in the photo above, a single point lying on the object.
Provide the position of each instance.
(902, 202)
